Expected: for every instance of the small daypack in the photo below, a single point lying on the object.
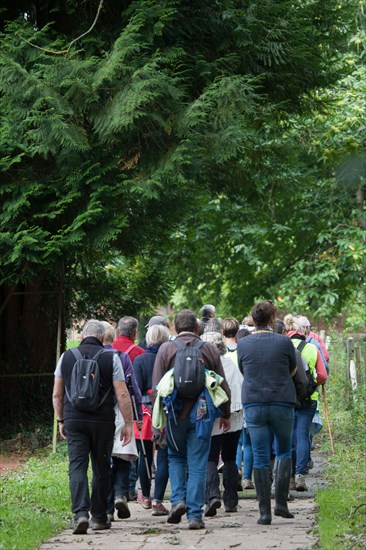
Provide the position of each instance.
(312, 385)
(85, 382)
(189, 369)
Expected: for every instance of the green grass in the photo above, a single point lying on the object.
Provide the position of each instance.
(34, 502)
(342, 505)
(72, 343)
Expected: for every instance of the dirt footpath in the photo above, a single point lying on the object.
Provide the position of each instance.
(224, 531)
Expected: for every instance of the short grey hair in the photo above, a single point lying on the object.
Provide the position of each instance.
(127, 326)
(157, 335)
(93, 327)
(217, 339)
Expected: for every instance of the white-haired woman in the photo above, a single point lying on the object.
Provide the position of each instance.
(143, 366)
(224, 443)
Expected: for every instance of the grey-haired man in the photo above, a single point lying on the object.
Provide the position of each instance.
(91, 433)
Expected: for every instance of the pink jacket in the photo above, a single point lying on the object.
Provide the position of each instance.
(322, 345)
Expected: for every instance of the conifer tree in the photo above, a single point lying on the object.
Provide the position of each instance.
(115, 118)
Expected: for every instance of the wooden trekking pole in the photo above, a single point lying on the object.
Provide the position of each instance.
(328, 421)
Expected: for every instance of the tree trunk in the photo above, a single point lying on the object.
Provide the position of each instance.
(28, 323)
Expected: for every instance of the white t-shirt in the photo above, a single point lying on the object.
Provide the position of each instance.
(235, 380)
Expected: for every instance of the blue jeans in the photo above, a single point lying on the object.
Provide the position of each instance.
(265, 420)
(161, 474)
(301, 438)
(245, 452)
(133, 477)
(187, 466)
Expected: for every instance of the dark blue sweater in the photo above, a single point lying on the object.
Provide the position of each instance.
(266, 360)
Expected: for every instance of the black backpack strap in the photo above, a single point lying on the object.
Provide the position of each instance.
(76, 353)
(301, 346)
(98, 354)
(178, 343)
(198, 344)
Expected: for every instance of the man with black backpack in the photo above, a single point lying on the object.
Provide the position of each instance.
(88, 379)
(187, 453)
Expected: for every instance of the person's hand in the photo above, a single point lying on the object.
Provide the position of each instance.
(139, 424)
(225, 424)
(158, 437)
(61, 429)
(126, 434)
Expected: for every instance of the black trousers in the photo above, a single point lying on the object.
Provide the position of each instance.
(94, 439)
(227, 444)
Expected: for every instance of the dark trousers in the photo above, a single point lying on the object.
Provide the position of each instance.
(121, 470)
(227, 444)
(94, 439)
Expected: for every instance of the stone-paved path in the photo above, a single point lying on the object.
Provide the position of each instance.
(225, 531)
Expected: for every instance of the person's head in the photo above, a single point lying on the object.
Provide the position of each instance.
(93, 327)
(157, 335)
(128, 326)
(304, 324)
(217, 339)
(109, 332)
(290, 323)
(230, 327)
(248, 321)
(264, 314)
(157, 320)
(242, 332)
(212, 325)
(186, 321)
(208, 310)
(279, 326)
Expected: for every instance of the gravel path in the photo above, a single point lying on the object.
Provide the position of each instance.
(224, 531)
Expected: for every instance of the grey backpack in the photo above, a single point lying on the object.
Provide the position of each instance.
(85, 382)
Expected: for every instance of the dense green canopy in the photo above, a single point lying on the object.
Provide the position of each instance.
(149, 146)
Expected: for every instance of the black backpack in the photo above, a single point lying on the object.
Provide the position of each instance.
(312, 385)
(189, 369)
(85, 382)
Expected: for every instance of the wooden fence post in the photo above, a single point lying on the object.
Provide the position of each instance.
(358, 363)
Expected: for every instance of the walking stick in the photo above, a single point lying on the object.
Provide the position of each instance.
(328, 421)
(133, 399)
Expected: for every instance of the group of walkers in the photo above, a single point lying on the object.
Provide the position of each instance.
(255, 404)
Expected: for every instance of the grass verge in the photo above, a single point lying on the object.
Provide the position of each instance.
(342, 505)
(35, 501)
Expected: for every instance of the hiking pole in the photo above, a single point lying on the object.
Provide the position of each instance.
(133, 399)
(328, 421)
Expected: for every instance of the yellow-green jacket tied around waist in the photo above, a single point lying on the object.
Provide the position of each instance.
(165, 387)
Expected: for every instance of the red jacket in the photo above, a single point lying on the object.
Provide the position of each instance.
(123, 343)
